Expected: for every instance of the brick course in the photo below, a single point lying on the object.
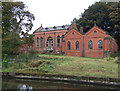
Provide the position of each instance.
(109, 45)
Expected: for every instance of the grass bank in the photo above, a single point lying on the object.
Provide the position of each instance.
(67, 65)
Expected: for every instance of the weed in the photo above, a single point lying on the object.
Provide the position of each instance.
(66, 65)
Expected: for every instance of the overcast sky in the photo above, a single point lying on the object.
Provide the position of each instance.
(51, 13)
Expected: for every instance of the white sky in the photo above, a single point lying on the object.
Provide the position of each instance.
(51, 13)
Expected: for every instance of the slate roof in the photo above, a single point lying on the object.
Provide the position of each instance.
(64, 27)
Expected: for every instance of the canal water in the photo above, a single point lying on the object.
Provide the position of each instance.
(29, 85)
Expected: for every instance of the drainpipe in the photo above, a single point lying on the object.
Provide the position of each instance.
(83, 49)
(44, 40)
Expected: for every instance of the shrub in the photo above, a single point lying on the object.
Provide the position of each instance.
(33, 52)
(109, 59)
(116, 54)
(27, 56)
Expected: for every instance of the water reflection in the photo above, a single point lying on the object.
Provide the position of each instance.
(24, 87)
(30, 85)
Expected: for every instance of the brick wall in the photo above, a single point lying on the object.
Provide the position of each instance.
(52, 34)
(109, 45)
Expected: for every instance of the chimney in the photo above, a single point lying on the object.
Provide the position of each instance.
(81, 30)
(41, 27)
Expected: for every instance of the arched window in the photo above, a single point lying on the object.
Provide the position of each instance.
(49, 42)
(77, 45)
(37, 43)
(95, 32)
(100, 44)
(41, 42)
(68, 45)
(90, 44)
(58, 41)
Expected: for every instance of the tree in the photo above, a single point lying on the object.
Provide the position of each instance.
(10, 43)
(28, 39)
(16, 22)
(105, 16)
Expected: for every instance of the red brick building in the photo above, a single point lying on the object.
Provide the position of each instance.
(70, 41)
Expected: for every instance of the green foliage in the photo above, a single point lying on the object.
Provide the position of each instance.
(10, 43)
(5, 63)
(109, 59)
(15, 19)
(116, 54)
(105, 16)
(47, 68)
(28, 56)
(64, 65)
(95, 14)
(29, 40)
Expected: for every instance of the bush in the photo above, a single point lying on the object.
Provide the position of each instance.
(28, 56)
(109, 59)
(33, 52)
(116, 54)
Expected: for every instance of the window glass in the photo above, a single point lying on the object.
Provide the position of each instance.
(95, 32)
(100, 44)
(49, 42)
(58, 41)
(62, 37)
(41, 42)
(77, 45)
(68, 45)
(90, 44)
(37, 45)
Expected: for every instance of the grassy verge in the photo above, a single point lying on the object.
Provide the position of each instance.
(0, 66)
(67, 65)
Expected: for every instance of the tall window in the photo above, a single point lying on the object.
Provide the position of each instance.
(49, 42)
(37, 45)
(100, 44)
(58, 41)
(90, 44)
(24, 48)
(68, 45)
(62, 37)
(41, 42)
(77, 45)
(29, 48)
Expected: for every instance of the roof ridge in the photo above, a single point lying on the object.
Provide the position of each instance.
(57, 26)
(52, 28)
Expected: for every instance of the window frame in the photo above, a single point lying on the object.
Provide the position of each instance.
(63, 36)
(22, 49)
(41, 42)
(95, 32)
(37, 42)
(90, 44)
(58, 41)
(49, 42)
(68, 45)
(100, 44)
(29, 48)
(77, 45)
